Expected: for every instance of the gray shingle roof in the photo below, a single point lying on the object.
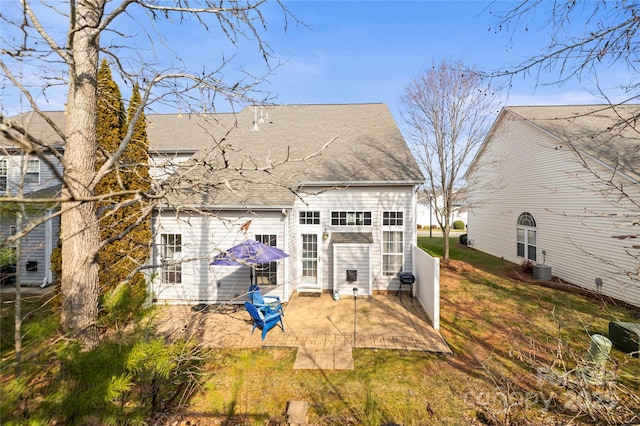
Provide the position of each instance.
(609, 134)
(294, 146)
(38, 128)
(299, 145)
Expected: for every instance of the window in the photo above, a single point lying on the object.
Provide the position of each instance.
(353, 218)
(171, 251)
(33, 172)
(309, 218)
(309, 257)
(392, 218)
(3, 175)
(392, 243)
(392, 252)
(527, 237)
(13, 230)
(267, 273)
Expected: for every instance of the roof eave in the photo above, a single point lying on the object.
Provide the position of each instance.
(224, 207)
(362, 183)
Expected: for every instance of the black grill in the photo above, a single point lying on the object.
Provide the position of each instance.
(406, 278)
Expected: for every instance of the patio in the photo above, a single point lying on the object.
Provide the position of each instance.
(321, 328)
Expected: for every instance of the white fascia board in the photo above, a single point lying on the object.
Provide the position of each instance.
(361, 183)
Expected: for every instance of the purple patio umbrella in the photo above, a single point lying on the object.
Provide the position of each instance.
(249, 252)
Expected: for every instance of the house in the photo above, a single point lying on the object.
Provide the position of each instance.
(332, 185)
(36, 177)
(426, 210)
(559, 186)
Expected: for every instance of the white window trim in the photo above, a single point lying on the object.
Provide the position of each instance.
(347, 214)
(314, 212)
(392, 228)
(174, 267)
(4, 173)
(271, 267)
(29, 172)
(526, 229)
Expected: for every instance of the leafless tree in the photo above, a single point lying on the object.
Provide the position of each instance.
(448, 110)
(585, 39)
(38, 56)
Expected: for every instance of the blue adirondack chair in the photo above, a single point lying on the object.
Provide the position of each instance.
(260, 320)
(266, 304)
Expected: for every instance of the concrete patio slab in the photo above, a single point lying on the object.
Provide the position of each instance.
(321, 328)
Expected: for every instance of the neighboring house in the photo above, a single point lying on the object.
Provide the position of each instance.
(35, 177)
(541, 189)
(332, 185)
(426, 215)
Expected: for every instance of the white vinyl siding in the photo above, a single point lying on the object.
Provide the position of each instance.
(363, 199)
(352, 262)
(523, 169)
(202, 238)
(37, 175)
(162, 165)
(34, 260)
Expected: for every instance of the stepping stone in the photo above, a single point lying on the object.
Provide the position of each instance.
(297, 413)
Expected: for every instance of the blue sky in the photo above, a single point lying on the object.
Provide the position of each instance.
(367, 51)
(358, 51)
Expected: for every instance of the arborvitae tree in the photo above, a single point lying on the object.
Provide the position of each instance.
(135, 161)
(110, 131)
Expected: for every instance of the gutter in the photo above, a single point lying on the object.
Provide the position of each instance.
(222, 207)
(362, 183)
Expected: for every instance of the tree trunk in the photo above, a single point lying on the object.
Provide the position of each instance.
(80, 232)
(17, 336)
(445, 249)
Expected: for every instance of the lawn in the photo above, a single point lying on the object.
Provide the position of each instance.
(516, 345)
(504, 333)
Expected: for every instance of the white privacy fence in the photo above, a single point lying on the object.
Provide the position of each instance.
(427, 285)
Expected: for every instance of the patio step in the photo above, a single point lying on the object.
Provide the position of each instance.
(329, 357)
(309, 292)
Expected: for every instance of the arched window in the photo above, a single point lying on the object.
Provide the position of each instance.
(527, 236)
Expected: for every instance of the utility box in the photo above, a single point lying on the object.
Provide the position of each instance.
(542, 272)
(625, 336)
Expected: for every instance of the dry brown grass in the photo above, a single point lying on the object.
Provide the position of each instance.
(501, 330)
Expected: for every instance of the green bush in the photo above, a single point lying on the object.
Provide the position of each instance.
(463, 239)
(458, 224)
(132, 374)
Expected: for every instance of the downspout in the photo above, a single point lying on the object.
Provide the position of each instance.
(414, 223)
(48, 249)
(285, 285)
